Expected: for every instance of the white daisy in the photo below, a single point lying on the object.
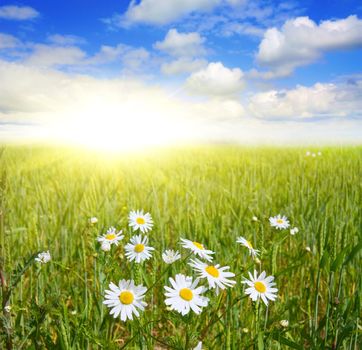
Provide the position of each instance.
(198, 249)
(111, 237)
(125, 299)
(43, 257)
(279, 222)
(198, 346)
(138, 220)
(106, 246)
(253, 252)
(93, 220)
(294, 230)
(284, 323)
(216, 276)
(170, 256)
(185, 295)
(138, 250)
(260, 287)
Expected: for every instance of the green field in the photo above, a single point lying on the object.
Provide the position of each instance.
(205, 194)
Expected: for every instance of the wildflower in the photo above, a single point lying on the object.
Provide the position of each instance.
(185, 295)
(254, 218)
(7, 308)
(245, 330)
(198, 249)
(93, 220)
(111, 237)
(308, 249)
(260, 287)
(284, 323)
(319, 153)
(307, 153)
(294, 230)
(125, 299)
(279, 222)
(170, 256)
(216, 276)
(43, 257)
(253, 252)
(198, 346)
(313, 154)
(138, 250)
(138, 220)
(106, 246)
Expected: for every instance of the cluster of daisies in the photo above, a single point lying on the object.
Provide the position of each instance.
(312, 154)
(184, 293)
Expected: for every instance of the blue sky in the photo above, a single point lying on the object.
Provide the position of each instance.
(231, 70)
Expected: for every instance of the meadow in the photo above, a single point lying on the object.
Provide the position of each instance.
(205, 194)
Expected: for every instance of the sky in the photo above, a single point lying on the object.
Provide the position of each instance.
(125, 74)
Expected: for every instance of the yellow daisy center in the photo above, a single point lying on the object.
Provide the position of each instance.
(249, 244)
(110, 236)
(139, 248)
(198, 245)
(186, 294)
(213, 271)
(280, 221)
(260, 287)
(126, 297)
(140, 221)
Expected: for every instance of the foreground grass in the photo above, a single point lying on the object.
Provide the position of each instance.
(205, 194)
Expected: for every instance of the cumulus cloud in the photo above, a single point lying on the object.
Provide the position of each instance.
(216, 80)
(301, 41)
(181, 44)
(183, 65)
(51, 55)
(8, 41)
(18, 13)
(162, 12)
(328, 100)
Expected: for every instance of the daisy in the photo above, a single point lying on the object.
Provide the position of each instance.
(125, 299)
(253, 252)
(170, 256)
(260, 287)
(294, 230)
(93, 220)
(198, 249)
(216, 276)
(138, 220)
(111, 237)
(279, 222)
(138, 250)
(185, 295)
(106, 247)
(43, 257)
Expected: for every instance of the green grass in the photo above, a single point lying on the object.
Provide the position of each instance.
(208, 194)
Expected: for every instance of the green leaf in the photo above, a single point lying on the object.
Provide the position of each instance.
(285, 341)
(353, 252)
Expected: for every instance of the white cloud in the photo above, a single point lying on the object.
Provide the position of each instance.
(318, 101)
(301, 41)
(46, 103)
(216, 80)
(18, 13)
(163, 12)
(51, 55)
(183, 65)
(64, 40)
(8, 41)
(181, 44)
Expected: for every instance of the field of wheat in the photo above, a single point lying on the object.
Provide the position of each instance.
(63, 201)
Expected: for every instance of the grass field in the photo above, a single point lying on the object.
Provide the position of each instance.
(205, 194)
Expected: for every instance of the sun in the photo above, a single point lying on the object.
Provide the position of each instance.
(114, 127)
